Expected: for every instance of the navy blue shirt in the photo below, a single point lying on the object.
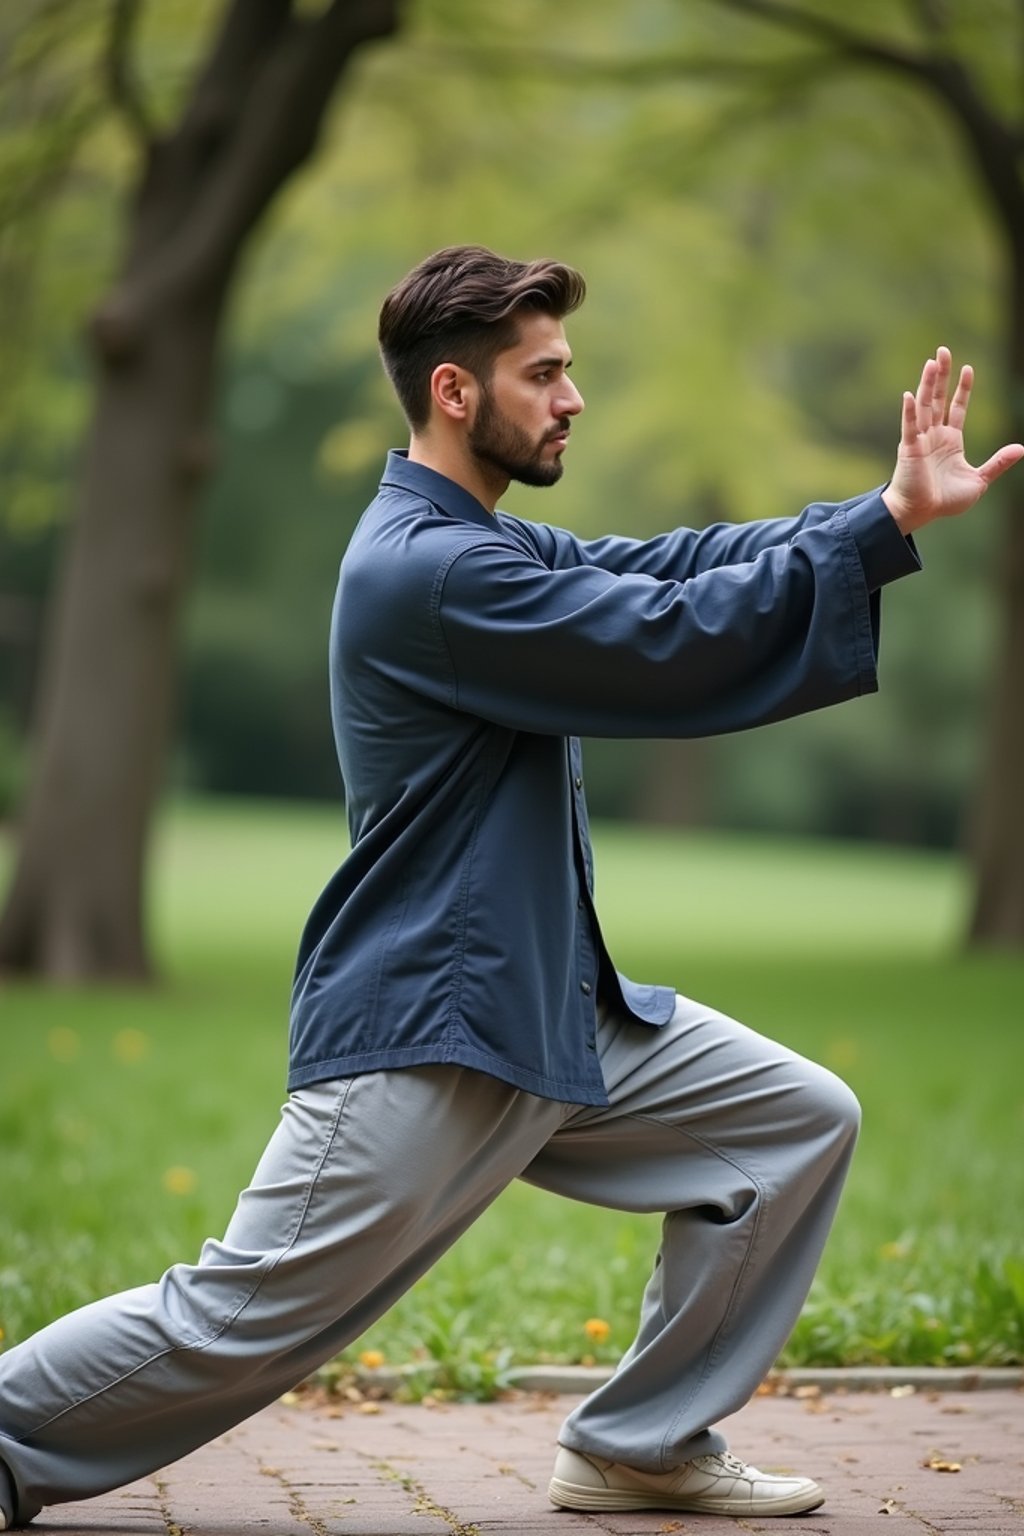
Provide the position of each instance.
(469, 651)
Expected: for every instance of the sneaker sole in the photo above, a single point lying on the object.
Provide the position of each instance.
(578, 1496)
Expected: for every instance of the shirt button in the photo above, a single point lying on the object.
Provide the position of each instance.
(578, 782)
(586, 988)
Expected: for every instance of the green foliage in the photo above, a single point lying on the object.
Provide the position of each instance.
(763, 241)
(842, 953)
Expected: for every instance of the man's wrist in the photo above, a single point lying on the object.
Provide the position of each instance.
(901, 514)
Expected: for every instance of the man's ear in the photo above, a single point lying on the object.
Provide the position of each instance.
(453, 391)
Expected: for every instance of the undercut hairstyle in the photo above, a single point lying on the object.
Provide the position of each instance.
(461, 306)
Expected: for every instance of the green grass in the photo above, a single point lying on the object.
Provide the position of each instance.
(129, 1120)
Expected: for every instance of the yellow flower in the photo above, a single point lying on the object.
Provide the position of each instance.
(372, 1359)
(597, 1329)
(843, 1054)
(180, 1181)
(130, 1045)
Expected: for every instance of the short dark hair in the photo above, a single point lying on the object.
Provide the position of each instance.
(460, 305)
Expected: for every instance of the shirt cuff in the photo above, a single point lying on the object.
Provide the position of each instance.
(885, 553)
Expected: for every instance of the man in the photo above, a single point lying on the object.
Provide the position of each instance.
(457, 1020)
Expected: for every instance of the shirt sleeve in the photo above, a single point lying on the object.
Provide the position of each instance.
(685, 552)
(587, 650)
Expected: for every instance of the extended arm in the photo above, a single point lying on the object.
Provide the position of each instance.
(684, 552)
(581, 651)
(932, 479)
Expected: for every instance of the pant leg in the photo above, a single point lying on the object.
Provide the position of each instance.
(744, 1145)
(364, 1184)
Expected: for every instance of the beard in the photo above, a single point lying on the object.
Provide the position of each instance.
(498, 442)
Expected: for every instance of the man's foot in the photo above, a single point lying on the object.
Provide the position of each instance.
(718, 1484)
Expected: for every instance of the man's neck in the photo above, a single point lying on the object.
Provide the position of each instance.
(487, 486)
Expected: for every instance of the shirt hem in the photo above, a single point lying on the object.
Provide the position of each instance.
(447, 1055)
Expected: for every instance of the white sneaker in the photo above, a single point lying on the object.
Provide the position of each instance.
(719, 1484)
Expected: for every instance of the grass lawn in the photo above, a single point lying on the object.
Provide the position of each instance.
(129, 1120)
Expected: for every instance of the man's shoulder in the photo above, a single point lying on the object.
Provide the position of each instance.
(399, 558)
(405, 531)
(405, 525)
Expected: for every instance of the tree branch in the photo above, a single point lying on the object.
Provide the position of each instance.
(281, 80)
(280, 123)
(993, 144)
(823, 29)
(250, 29)
(573, 69)
(122, 86)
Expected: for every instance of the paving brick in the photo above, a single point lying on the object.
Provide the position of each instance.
(482, 1470)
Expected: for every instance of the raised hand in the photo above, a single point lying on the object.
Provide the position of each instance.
(932, 477)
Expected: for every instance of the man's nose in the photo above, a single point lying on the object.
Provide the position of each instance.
(570, 401)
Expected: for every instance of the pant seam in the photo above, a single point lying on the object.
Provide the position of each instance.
(199, 1345)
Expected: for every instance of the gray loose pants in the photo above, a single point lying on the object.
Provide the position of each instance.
(366, 1181)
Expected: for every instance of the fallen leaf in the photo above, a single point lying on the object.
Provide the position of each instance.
(808, 1390)
(904, 1391)
(888, 1507)
(369, 1408)
(936, 1463)
(672, 1525)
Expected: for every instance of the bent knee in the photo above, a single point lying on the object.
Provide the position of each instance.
(831, 1105)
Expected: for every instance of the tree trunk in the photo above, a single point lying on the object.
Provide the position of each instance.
(76, 906)
(997, 834)
(75, 909)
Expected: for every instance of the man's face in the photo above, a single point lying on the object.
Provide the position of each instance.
(524, 412)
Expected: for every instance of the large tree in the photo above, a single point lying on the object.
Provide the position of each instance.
(249, 120)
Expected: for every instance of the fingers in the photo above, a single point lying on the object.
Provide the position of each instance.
(930, 401)
(962, 398)
(940, 387)
(1003, 459)
(926, 395)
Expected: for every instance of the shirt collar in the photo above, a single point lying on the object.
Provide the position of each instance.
(435, 488)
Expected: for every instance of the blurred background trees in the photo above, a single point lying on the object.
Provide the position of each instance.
(778, 218)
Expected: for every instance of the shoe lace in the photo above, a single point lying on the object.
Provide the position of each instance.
(723, 1462)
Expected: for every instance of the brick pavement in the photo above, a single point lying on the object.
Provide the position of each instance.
(482, 1470)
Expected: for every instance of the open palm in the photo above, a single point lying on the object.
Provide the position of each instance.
(932, 478)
